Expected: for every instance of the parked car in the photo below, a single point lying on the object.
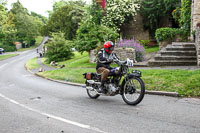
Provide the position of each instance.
(1, 50)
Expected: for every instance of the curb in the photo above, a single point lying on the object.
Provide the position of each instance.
(161, 93)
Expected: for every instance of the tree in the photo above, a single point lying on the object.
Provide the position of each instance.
(3, 2)
(65, 19)
(90, 35)
(119, 12)
(42, 18)
(3, 15)
(154, 10)
(7, 30)
(27, 26)
(59, 49)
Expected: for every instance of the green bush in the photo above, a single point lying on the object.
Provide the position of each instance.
(8, 48)
(89, 35)
(169, 34)
(59, 49)
(144, 42)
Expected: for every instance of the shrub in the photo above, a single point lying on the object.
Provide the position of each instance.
(144, 42)
(140, 51)
(8, 48)
(170, 33)
(89, 35)
(153, 11)
(59, 49)
(119, 12)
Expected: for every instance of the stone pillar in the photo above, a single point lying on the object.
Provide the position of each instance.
(197, 43)
(195, 16)
(93, 55)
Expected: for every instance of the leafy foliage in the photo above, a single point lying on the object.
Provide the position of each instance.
(27, 26)
(59, 49)
(65, 18)
(139, 49)
(185, 16)
(7, 30)
(170, 33)
(90, 35)
(153, 10)
(119, 12)
(3, 2)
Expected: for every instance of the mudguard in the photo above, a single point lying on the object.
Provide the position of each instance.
(135, 73)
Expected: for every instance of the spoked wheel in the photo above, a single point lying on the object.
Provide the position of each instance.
(133, 91)
(92, 93)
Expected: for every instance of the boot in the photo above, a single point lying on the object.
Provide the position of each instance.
(102, 87)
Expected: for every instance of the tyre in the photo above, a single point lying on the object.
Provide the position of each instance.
(133, 91)
(92, 94)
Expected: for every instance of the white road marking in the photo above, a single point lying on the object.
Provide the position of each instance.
(3, 65)
(52, 116)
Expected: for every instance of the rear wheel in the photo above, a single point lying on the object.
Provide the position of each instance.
(92, 93)
(133, 91)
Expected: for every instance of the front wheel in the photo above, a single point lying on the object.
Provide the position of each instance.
(133, 91)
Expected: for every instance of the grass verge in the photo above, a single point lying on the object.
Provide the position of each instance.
(185, 82)
(3, 57)
(32, 64)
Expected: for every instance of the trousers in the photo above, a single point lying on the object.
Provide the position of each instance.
(104, 73)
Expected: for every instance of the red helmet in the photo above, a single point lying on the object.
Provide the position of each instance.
(109, 46)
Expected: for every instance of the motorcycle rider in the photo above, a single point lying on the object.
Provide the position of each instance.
(105, 58)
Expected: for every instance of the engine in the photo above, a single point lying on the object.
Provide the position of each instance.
(112, 90)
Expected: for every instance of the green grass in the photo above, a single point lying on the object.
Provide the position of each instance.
(37, 43)
(185, 82)
(68, 74)
(152, 49)
(3, 57)
(32, 64)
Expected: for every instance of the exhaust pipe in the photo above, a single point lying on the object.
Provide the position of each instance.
(89, 88)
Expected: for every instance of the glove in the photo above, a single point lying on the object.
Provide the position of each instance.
(110, 60)
(129, 62)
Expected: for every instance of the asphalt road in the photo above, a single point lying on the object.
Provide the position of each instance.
(30, 104)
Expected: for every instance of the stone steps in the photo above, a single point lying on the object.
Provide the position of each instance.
(180, 48)
(171, 57)
(172, 62)
(177, 54)
(184, 44)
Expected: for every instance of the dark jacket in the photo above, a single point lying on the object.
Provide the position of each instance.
(104, 59)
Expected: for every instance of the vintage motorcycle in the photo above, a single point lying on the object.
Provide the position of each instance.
(124, 82)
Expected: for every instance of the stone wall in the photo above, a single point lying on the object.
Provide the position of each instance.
(197, 43)
(195, 15)
(122, 54)
(135, 30)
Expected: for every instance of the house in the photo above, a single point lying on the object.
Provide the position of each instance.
(18, 45)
